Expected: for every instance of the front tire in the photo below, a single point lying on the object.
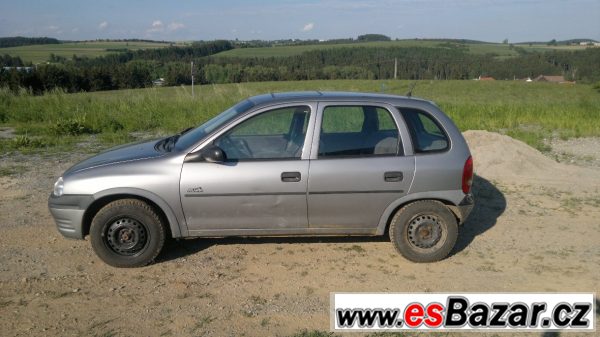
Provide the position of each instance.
(424, 231)
(127, 233)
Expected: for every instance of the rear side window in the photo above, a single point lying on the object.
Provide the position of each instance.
(426, 133)
(358, 131)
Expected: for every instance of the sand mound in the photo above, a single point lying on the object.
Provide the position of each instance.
(509, 160)
(499, 155)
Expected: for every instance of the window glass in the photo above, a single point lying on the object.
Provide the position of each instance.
(274, 134)
(386, 122)
(425, 132)
(195, 135)
(357, 131)
(343, 119)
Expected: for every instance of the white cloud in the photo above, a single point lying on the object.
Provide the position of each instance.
(173, 26)
(308, 27)
(102, 25)
(157, 26)
(75, 30)
(52, 28)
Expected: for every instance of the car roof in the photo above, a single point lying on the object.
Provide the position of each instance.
(295, 96)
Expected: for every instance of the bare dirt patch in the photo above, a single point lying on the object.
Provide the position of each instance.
(7, 132)
(535, 228)
(580, 151)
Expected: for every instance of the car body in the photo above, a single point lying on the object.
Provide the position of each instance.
(295, 163)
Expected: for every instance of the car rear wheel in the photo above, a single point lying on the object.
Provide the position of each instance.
(424, 231)
(127, 233)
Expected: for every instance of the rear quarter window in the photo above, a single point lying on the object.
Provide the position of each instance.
(426, 133)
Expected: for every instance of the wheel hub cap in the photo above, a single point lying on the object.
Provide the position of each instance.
(425, 231)
(126, 236)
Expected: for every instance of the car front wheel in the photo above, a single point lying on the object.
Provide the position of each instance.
(127, 233)
(424, 231)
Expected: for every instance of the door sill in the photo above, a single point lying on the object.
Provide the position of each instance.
(281, 232)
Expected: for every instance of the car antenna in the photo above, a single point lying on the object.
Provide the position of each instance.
(410, 89)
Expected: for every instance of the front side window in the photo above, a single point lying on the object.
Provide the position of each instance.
(357, 131)
(274, 134)
(193, 136)
(426, 134)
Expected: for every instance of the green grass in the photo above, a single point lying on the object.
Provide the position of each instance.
(41, 53)
(530, 112)
(502, 50)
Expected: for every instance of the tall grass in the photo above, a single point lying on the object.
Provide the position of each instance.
(528, 111)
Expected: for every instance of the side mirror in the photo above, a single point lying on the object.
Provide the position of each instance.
(211, 154)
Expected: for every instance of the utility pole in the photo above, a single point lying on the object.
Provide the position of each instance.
(395, 67)
(192, 72)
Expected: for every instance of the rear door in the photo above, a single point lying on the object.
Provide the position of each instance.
(358, 164)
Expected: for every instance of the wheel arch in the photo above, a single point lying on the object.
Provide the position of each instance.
(105, 197)
(388, 214)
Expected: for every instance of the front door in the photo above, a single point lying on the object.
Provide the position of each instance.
(261, 185)
(360, 166)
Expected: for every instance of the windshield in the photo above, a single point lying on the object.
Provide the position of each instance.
(193, 136)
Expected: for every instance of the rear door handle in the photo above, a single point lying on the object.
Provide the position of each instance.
(393, 176)
(291, 177)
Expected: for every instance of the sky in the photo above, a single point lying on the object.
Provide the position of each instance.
(179, 20)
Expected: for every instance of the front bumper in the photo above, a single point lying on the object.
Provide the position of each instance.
(68, 211)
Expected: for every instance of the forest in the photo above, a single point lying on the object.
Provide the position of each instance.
(17, 41)
(446, 61)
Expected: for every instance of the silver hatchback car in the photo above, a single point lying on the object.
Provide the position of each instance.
(296, 163)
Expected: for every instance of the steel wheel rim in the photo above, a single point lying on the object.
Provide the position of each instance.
(426, 232)
(126, 236)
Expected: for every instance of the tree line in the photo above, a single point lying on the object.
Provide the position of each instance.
(17, 41)
(137, 69)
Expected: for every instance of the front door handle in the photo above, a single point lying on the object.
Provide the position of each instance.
(291, 177)
(393, 176)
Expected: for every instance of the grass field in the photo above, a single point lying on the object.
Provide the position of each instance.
(41, 53)
(502, 50)
(531, 112)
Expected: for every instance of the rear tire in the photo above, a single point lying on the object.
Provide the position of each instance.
(424, 231)
(127, 233)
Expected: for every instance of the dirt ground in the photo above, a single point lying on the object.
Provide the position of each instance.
(535, 228)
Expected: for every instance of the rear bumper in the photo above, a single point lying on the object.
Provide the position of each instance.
(68, 212)
(465, 207)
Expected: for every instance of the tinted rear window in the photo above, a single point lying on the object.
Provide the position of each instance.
(426, 133)
(357, 131)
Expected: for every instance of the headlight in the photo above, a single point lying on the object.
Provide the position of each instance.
(59, 187)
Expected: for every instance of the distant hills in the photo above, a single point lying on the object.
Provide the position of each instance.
(18, 41)
(563, 42)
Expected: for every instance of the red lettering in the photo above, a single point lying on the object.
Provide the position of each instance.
(434, 315)
(413, 315)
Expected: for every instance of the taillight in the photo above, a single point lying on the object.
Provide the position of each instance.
(467, 178)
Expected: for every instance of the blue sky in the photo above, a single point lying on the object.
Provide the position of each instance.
(488, 20)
